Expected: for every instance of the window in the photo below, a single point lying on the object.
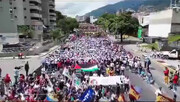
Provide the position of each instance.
(15, 16)
(24, 0)
(24, 8)
(25, 17)
(10, 10)
(1, 8)
(173, 52)
(0, 0)
(14, 7)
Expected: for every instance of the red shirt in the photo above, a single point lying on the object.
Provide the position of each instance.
(166, 72)
(175, 79)
(59, 65)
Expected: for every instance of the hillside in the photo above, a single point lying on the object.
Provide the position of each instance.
(133, 4)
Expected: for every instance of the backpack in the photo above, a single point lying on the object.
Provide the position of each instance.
(149, 61)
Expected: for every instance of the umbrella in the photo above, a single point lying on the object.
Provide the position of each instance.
(138, 89)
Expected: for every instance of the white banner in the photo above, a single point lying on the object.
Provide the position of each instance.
(110, 80)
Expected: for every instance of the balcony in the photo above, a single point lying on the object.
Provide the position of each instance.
(35, 7)
(53, 23)
(37, 1)
(51, 2)
(52, 14)
(51, 7)
(51, 10)
(36, 15)
(53, 18)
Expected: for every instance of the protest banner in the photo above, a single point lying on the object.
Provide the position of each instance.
(110, 80)
(87, 96)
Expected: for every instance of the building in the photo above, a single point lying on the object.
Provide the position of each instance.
(8, 26)
(80, 19)
(118, 12)
(93, 19)
(165, 22)
(31, 13)
(143, 19)
(87, 28)
(48, 14)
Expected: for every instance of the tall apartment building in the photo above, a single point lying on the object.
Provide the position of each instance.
(48, 14)
(14, 13)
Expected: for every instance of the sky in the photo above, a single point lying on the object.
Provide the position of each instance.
(80, 7)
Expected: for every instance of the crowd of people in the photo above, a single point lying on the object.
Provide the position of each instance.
(60, 81)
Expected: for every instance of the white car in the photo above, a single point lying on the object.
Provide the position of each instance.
(170, 54)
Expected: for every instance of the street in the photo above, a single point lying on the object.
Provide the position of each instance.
(8, 64)
(157, 72)
(148, 90)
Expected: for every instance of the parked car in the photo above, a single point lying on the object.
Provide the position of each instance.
(171, 54)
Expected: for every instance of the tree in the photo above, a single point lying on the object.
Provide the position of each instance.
(67, 24)
(105, 20)
(87, 20)
(57, 34)
(123, 24)
(26, 30)
(59, 15)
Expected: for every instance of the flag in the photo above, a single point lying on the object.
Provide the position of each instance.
(51, 98)
(87, 96)
(121, 98)
(77, 66)
(90, 69)
(162, 98)
(77, 83)
(134, 93)
(66, 73)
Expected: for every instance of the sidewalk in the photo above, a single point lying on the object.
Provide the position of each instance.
(7, 64)
(40, 55)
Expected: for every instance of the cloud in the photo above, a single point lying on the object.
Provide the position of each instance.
(80, 7)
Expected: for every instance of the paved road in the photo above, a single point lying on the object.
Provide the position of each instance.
(8, 64)
(148, 91)
(157, 72)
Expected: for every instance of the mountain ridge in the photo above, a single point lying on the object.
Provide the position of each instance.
(132, 4)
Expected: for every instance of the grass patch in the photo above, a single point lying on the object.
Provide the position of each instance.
(173, 38)
(151, 46)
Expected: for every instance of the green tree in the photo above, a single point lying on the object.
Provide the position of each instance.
(124, 24)
(87, 20)
(57, 35)
(105, 21)
(59, 15)
(119, 25)
(67, 24)
(26, 30)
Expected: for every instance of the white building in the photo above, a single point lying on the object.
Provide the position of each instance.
(93, 19)
(163, 23)
(80, 18)
(142, 17)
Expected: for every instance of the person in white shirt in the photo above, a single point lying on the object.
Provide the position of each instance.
(126, 84)
(158, 91)
(122, 69)
(95, 74)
